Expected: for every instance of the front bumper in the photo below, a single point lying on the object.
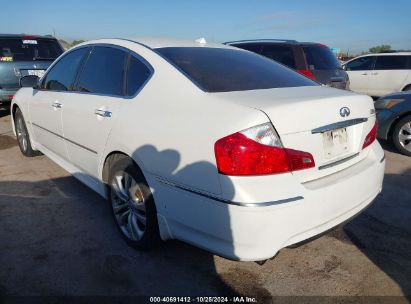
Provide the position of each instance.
(254, 233)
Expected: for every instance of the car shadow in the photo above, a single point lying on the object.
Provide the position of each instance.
(383, 231)
(59, 238)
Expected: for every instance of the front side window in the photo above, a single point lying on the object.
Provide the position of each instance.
(103, 72)
(391, 63)
(225, 70)
(62, 75)
(360, 64)
(282, 54)
(137, 75)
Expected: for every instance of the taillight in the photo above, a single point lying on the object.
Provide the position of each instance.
(307, 73)
(370, 138)
(258, 151)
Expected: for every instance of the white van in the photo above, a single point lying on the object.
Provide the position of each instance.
(380, 74)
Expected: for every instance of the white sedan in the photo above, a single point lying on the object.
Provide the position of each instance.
(205, 143)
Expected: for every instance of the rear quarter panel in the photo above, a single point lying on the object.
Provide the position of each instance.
(171, 126)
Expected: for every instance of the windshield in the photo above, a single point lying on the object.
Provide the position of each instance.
(29, 49)
(320, 57)
(225, 70)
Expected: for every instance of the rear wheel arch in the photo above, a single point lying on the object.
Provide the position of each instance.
(113, 157)
(109, 161)
(407, 87)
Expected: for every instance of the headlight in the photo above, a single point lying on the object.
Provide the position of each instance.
(386, 103)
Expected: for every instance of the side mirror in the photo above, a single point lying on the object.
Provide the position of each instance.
(344, 67)
(29, 81)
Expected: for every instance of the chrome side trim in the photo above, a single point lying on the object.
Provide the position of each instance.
(215, 198)
(382, 159)
(339, 125)
(69, 140)
(338, 162)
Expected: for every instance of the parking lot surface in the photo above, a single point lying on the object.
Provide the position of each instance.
(57, 237)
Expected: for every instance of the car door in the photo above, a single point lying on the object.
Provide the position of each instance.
(89, 113)
(389, 74)
(359, 72)
(46, 105)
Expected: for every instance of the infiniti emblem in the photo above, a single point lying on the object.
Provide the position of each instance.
(345, 112)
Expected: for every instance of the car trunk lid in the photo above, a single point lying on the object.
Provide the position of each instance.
(315, 120)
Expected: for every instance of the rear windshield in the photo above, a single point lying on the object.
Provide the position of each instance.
(225, 70)
(21, 49)
(320, 58)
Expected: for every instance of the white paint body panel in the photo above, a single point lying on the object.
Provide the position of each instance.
(169, 130)
(379, 82)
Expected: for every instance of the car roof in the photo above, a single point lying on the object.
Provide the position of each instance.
(284, 41)
(155, 43)
(386, 54)
(27, 36)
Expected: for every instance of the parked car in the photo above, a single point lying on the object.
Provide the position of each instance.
(206, 143)
(22, 55)
(380, 74)
(394, 119)
(314, 60)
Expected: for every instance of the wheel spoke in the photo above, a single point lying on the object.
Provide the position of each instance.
(403, 137)
(119, 189)
(407, 128)
(408, 146)
(132, 227)
(140, 217)
(122, 218)
(120, 207)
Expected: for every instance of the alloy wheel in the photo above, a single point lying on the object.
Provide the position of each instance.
(404, 136)
(21, 133)
(128, 205)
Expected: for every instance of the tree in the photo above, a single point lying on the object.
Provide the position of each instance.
(380, 48)
(75, 42)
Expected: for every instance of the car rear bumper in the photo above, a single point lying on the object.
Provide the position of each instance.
(6, 95)
(253, 233)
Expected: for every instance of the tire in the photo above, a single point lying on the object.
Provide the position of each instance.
(401, 135)
(133, 206)
(23, 137)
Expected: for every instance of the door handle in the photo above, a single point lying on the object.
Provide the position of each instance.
(364, 74)
(103, 113)
(56, 104)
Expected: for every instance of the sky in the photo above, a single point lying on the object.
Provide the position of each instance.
(352, 26)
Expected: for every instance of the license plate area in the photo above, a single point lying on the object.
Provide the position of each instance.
(38, 73)
(336, 143)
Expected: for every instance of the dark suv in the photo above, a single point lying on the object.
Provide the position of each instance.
(314, 60)
(22, 55)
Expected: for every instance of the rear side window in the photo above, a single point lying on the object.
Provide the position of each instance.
(391, 63)
(137, 75)
(252, 47)
(62, 75)
(320, 58)
(21, 49)
(103, 72)
(360, 64)
(225, 70)
(282, 54)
